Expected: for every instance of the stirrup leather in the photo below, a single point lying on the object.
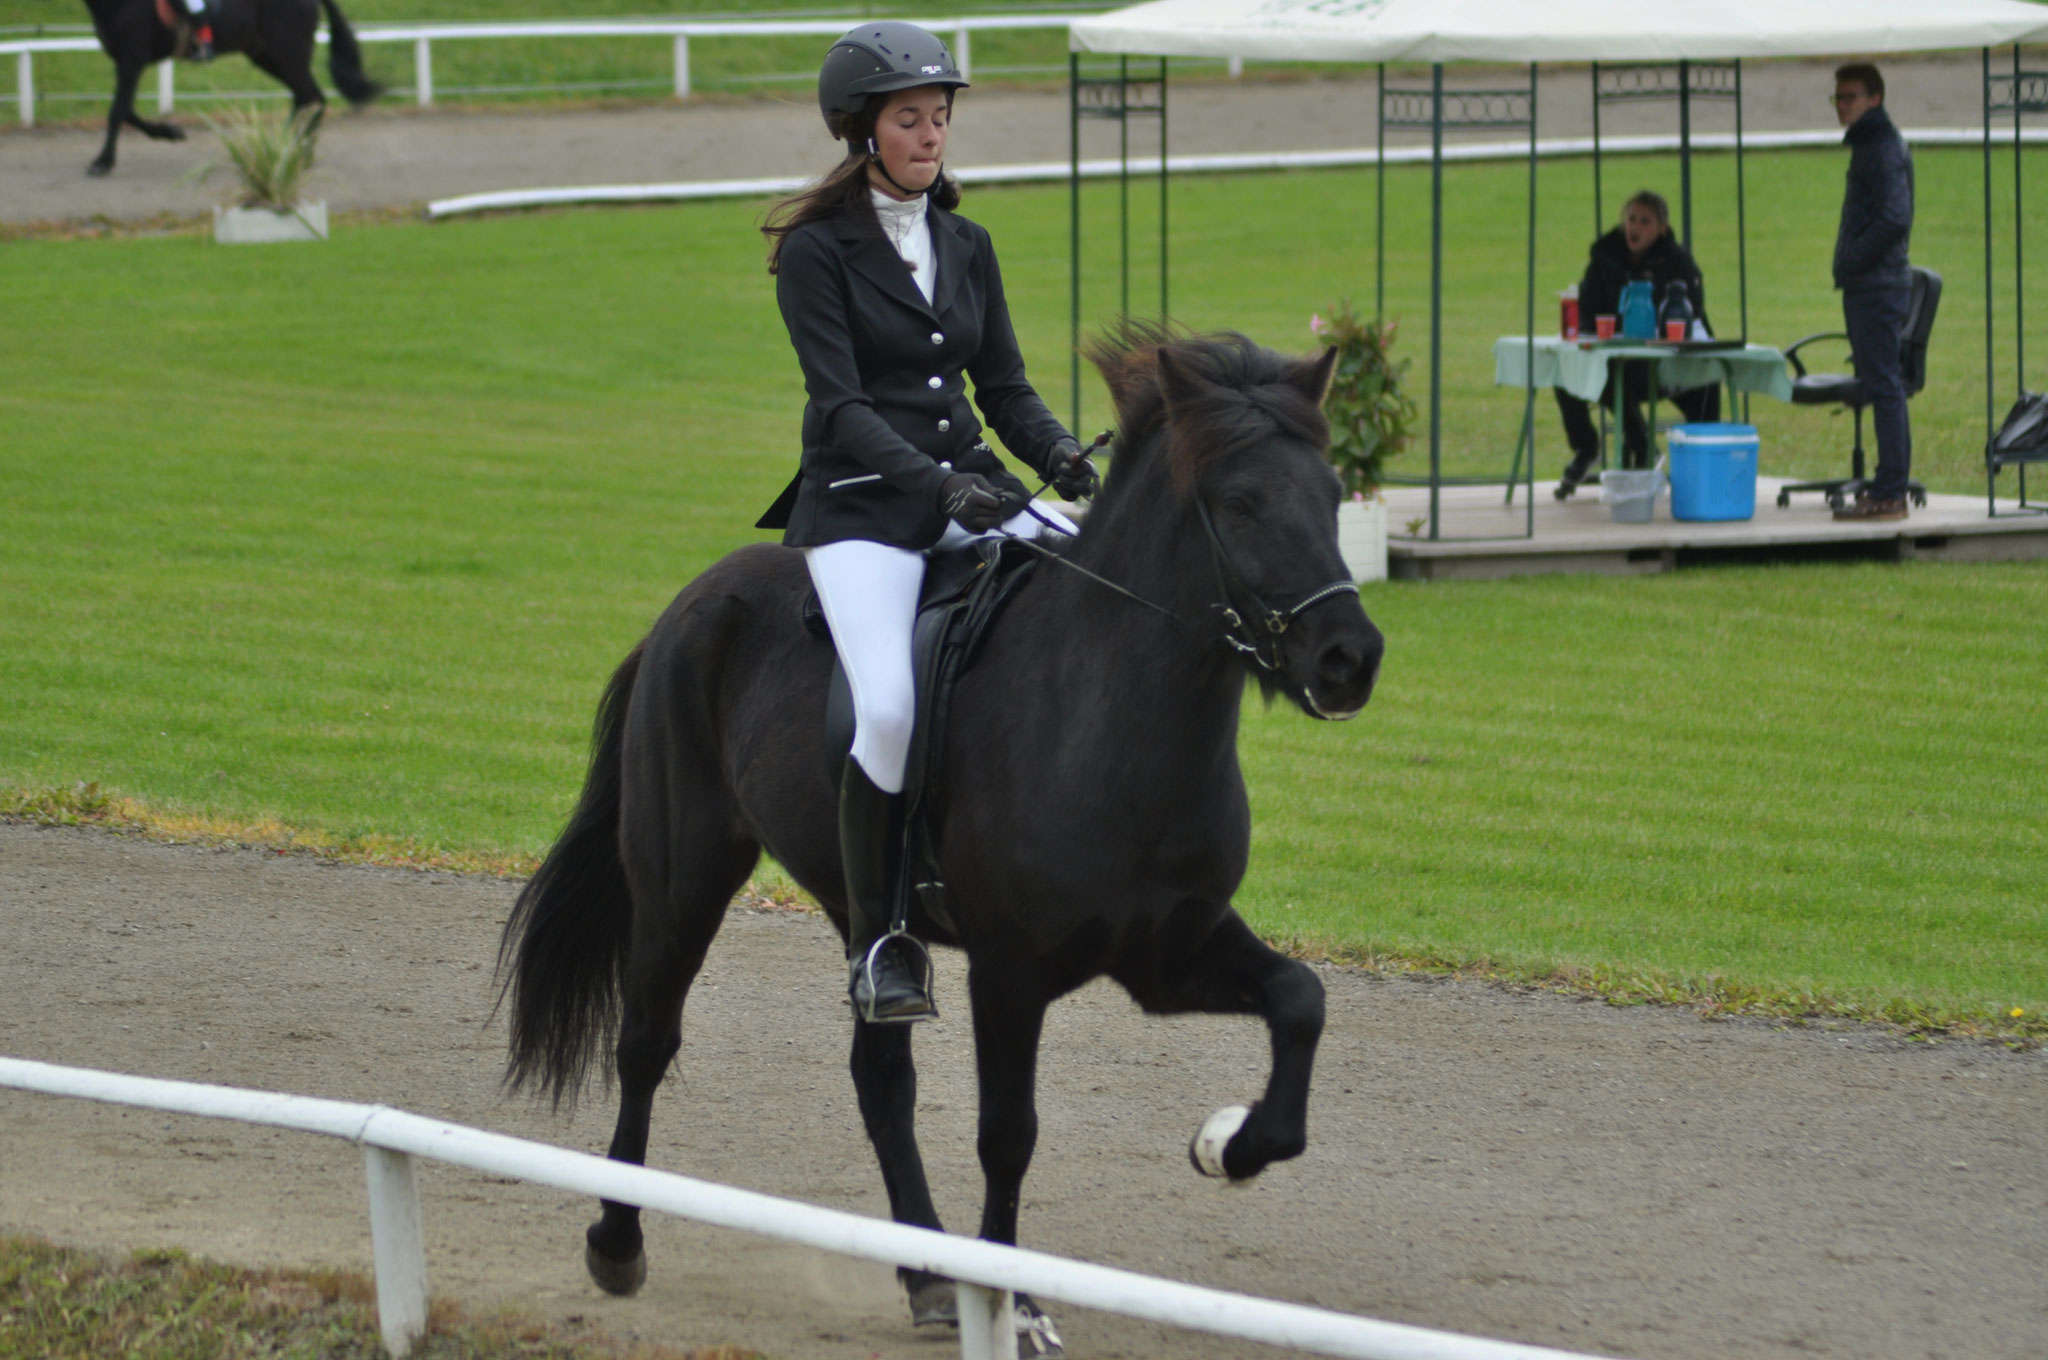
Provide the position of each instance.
(863, 979)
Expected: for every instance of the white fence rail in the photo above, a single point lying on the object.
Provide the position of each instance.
(1206, 163)
(424, 36)
(987, 1272)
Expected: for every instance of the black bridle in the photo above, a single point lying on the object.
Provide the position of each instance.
(1250, 625)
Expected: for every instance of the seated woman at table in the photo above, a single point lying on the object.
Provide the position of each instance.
(1642, 247)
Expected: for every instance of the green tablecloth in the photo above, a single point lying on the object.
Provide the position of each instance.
(1583, 372)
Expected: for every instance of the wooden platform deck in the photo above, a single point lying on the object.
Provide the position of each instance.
(1481, 536)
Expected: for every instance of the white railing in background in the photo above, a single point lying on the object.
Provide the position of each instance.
(424, 36)
(1227, 162)
(988, 1273)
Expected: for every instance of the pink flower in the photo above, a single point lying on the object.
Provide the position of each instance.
(1316, 323)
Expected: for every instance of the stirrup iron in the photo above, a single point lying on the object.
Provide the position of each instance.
(863, 971)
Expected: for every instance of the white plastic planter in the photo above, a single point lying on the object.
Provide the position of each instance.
(1362, 538)
(261, 226)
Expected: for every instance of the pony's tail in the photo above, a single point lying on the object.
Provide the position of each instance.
(345, 59)
(562, 957)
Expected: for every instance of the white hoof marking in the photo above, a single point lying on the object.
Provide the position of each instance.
(1207, 1149)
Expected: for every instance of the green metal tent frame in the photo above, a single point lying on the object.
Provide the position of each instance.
(1122, 98)
(2020, 92)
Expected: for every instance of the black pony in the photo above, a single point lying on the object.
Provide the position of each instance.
(276, 35)
(1096, 820)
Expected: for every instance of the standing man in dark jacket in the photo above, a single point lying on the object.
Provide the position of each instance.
(1870, 269)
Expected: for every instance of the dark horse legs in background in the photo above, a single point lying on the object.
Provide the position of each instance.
(1097, 825)
(276, 35)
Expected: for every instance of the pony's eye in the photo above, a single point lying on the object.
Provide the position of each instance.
(1240, 506)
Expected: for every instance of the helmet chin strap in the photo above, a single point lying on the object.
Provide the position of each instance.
(875, 159)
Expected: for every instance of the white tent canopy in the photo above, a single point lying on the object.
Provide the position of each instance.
(1553, 30)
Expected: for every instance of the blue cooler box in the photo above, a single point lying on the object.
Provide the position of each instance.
(1713, 471)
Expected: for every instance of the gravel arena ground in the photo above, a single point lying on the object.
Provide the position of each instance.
(1632, 1181)
(1518, 1165)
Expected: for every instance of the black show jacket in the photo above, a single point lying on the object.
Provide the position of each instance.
(887, 420)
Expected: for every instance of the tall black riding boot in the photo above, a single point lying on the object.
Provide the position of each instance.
(890, 974)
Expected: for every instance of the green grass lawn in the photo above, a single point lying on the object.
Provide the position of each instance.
(348, 537)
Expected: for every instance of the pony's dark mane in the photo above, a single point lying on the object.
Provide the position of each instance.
(1225, 391)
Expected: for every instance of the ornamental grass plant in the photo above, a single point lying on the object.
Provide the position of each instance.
(271, 151)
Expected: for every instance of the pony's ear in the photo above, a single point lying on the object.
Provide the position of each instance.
(1179, 386)
(1314, 377)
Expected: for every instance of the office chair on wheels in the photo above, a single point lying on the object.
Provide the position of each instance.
(1842, 389)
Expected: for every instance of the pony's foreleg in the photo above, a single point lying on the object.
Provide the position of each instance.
(885, 1081)
(127, 74)
(1235, 971)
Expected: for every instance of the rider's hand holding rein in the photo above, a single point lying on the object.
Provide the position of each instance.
(1071, 472)
(971, 502)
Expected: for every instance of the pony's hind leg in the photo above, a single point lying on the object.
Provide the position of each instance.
(681, 883)
(1235, 972)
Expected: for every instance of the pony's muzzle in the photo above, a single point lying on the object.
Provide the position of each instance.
(1344, 665)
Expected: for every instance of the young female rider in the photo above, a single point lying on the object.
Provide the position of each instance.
(891, 302)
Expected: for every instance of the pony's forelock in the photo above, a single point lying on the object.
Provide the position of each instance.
(1222, 393)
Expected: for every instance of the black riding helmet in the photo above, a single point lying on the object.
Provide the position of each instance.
(881, 58)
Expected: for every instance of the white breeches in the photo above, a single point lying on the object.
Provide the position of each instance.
(869, 594)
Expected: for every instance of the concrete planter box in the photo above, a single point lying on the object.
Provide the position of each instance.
(260, 226)
(1362, 538)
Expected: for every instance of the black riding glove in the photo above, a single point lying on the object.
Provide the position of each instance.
(972, 501)
(1071, 472)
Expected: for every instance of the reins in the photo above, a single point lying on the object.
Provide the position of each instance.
(1049, 555)
(1242, 628)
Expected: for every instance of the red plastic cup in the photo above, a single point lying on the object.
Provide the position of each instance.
(1603, 326)
(1674, 330)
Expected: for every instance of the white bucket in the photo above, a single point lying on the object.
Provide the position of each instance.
(1631, 494)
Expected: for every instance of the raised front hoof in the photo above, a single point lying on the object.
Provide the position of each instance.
(164, 132)
(100, 169)
(932, 1300)
(1212, 1142)
(615, 1277)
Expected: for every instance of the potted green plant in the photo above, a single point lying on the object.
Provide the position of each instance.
(271, 152)
(1372, 418)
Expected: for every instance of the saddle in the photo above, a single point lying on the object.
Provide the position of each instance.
(964, 589)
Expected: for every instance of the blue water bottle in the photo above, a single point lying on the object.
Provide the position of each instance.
(1638, 310)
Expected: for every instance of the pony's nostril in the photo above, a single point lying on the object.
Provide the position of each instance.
(1338, 663)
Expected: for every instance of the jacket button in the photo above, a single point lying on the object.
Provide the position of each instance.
(935, 383)
(938, 339)
(945, 425)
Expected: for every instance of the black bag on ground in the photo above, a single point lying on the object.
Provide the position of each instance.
(2023, 436)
